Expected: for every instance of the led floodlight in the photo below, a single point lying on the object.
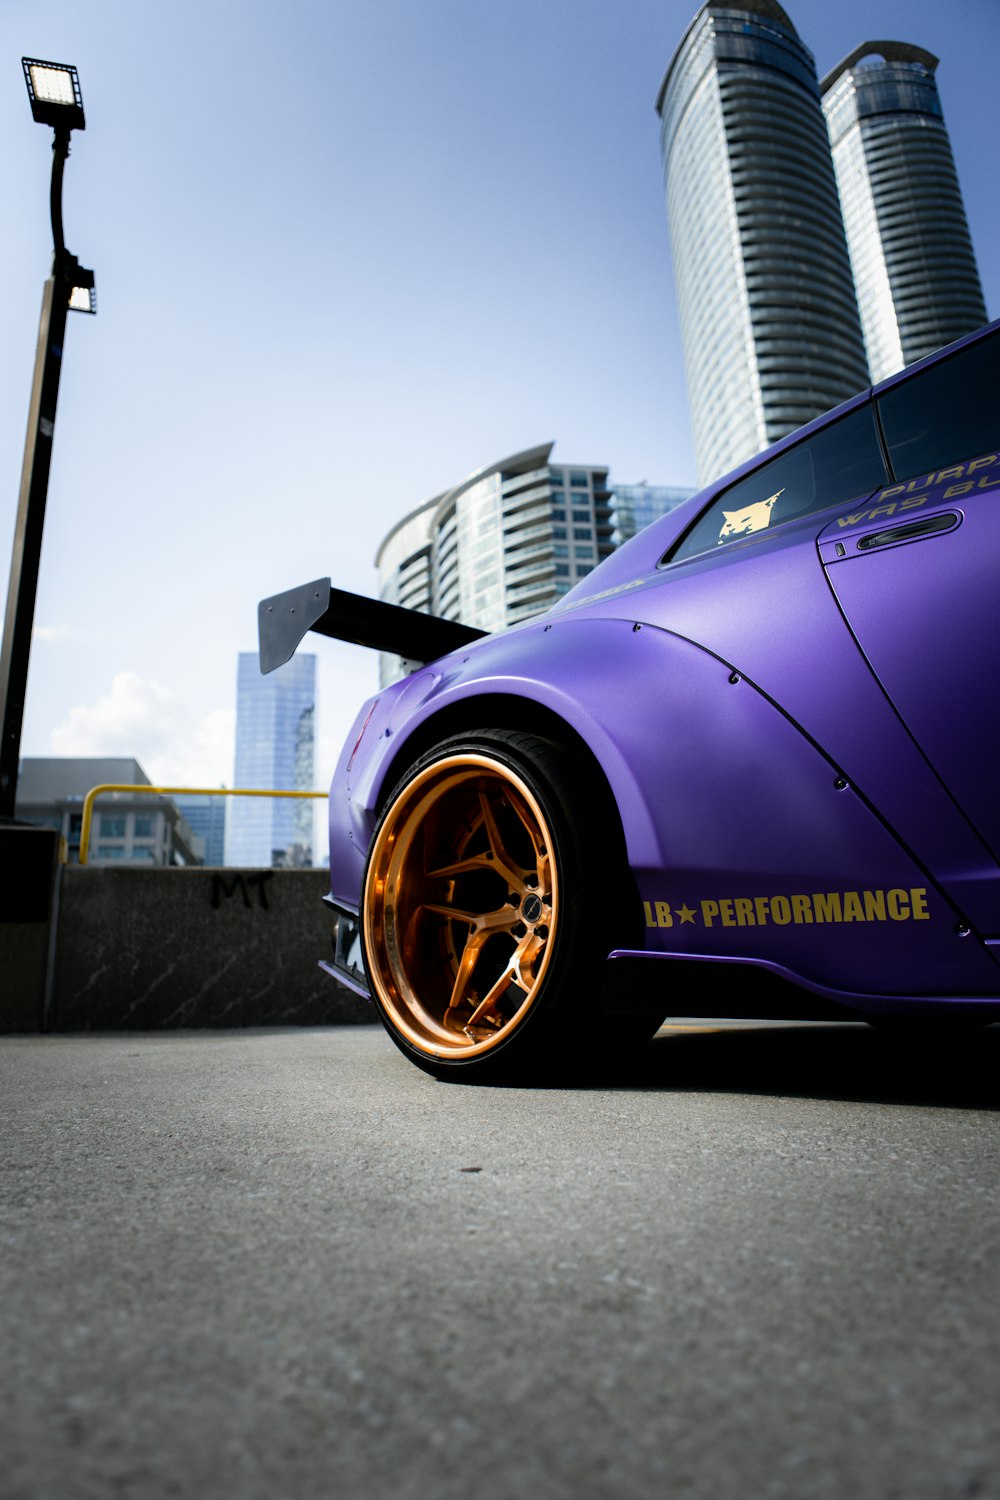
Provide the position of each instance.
(82, 296)
(54, 91)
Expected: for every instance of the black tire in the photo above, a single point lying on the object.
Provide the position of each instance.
(496, 885)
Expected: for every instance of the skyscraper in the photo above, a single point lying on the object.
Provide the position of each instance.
(634, 506)
(206, 817)
(768, 313)
(917, 283)
(503, 544)
(274, 749)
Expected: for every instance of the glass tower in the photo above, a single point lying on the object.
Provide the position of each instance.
(917, 283)
(502, 545)
(274, 750)
(206, 817)
(634, 506)
(769, 318)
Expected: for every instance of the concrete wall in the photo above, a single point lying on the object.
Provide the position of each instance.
(155, 948)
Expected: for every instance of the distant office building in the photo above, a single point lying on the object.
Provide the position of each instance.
(275, 719)
(206, 817)
(504, 544)
(917, 283)
(132, 828)
(635, 506)
(769, 318)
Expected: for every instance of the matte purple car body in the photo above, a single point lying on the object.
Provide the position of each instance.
(797, 728)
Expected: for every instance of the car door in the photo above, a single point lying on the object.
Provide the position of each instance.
(915, 573)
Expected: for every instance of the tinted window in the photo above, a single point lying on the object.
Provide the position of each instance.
(839, 462)
(948, 412)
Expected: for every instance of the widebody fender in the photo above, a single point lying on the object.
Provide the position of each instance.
(743, 836)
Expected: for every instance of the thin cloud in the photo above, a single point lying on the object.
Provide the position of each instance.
(48, 633)
(140, 717)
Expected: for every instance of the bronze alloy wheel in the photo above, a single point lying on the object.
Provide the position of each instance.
(461, 905)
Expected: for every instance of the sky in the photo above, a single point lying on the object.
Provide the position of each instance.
(346, 253)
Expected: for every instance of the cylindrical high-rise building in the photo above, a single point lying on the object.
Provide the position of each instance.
(501, 546)
(769, 318)
(917, 283)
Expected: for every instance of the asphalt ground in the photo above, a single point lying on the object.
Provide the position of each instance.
(762, 1263)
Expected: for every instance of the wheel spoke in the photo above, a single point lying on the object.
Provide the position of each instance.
(461, 867)
(453, 912)
(525, 959)
(489, 1007)
(466, 964)
(531, 829)
(503, 919)
(516, 875)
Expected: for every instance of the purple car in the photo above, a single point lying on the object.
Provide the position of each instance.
(745, 767)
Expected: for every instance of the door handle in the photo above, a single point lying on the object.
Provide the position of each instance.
(911, 531)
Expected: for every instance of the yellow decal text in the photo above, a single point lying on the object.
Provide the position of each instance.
(801, 909)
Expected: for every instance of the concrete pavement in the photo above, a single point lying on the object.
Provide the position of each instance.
(288, 1264)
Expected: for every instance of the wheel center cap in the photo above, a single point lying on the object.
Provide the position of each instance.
(531, 907)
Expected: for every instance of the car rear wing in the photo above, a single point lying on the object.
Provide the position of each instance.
(285, 619)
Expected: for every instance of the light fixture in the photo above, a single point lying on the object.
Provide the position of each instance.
(82, 296)
(54, 91)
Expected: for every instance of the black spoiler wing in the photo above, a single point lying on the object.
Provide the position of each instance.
(284, 619)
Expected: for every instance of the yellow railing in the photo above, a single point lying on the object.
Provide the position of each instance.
(167, 791)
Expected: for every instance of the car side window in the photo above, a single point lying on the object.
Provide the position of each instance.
(839, 462)
(947, 412)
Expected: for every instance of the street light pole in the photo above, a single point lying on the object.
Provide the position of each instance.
(55, 99)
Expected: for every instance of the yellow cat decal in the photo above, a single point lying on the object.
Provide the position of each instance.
(751, 518)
